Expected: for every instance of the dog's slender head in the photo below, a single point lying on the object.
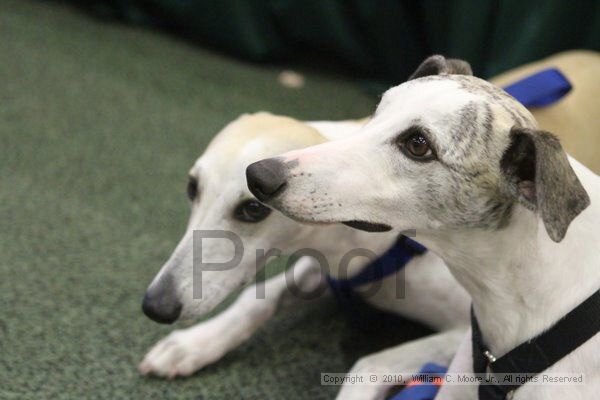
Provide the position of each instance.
(444, 151)
(221, 202)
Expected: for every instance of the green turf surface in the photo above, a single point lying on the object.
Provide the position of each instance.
(99, 124)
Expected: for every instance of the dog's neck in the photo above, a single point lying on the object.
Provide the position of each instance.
(521, 282)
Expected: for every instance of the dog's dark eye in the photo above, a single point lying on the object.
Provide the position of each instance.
(417, 147)
(251, 211)
(192, 188)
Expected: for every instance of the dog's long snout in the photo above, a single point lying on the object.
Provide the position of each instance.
(266, 178)
(160, 303)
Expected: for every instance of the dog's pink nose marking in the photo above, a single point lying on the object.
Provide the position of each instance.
(306, 155)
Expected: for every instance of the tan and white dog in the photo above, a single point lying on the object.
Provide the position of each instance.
(456, 158)
(221, 201)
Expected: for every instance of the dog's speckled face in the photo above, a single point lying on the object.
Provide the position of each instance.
(430, 158)
(221, 201)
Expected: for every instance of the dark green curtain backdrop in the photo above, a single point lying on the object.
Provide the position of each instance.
(378, 39)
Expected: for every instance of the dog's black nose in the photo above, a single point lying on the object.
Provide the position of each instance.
(160, 311)
(266, 178)
(161, 307)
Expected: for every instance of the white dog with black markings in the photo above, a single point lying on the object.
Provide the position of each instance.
(463, 163)
(220, 200)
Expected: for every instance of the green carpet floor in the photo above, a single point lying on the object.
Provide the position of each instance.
(99, 124)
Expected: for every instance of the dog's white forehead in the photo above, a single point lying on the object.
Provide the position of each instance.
(465, 115)
(421, 96)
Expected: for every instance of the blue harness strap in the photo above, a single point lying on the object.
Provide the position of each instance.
(423, 389)
(358, 312)
(540, 89)
(389, 263)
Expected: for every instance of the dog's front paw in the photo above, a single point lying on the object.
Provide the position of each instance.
(181, 353)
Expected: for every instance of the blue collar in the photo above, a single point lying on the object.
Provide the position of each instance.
(389, 263)
(540, 89)
(425, 389)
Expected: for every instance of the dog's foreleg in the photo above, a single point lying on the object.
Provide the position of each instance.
(461, 363)
(407, 358)
(185, 351)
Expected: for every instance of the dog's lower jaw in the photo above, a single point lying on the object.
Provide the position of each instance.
(367, 226)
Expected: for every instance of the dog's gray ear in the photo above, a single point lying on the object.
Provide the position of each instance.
(540, 177)
(439, 65)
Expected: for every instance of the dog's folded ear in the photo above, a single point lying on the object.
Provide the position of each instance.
(439, 65)
(539, 175)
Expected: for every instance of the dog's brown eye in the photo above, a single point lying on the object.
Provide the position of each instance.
(192, 188)
(251, 211)
(417, 147)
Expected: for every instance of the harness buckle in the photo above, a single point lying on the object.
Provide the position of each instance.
(491, 358)
(488, 369)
